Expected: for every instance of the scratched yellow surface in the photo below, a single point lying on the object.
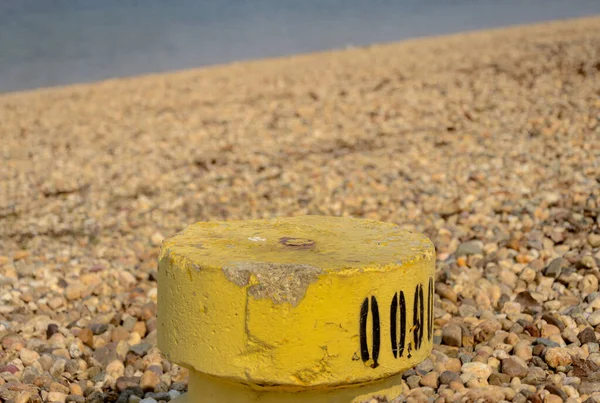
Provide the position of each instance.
(275, 305)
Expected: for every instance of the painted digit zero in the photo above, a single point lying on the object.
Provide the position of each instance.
(364, 348)
(422, 321)
(395, 317)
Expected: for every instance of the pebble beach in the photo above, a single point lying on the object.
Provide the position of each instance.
(487, 142)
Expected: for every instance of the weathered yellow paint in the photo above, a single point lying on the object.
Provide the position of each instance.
(270, 310)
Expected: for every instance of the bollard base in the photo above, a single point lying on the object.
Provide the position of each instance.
(205, 389)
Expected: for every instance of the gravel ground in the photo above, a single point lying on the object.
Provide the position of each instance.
(488, 142)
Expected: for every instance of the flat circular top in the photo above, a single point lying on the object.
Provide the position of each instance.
(329, 243)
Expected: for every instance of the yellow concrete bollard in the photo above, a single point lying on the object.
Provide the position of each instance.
(290, 310)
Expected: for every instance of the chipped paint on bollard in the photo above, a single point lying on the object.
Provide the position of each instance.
(302, 309)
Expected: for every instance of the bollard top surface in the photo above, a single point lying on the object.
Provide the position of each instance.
(328, 243)
(296, 302)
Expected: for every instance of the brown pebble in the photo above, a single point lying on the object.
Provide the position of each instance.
(20, 255)
(24, 397)
(486, 330)
(445, 291)
(140, 328)
(550, 330)
(557, 356)
(468, 339)
(55, 303)
(148, 311)
(532, 330)
(512, 339)
(119, 334)
(499, 379)
(538, 350)
(74, 291)
(75, 389)
(552, 320)
(115, 368)
(124, 383)
(12, 342)
(86, 336)
(553, 399)
(430, 380)
(75, 399)
(526, 300)
(56, 397)
(594, 240)
(512, 368)
(58, 387)
(28, 357)
(452, 335)
(453, 364)
(149, 380)
(61, 352)
(51, 330)
(587, 335)
(557, 391)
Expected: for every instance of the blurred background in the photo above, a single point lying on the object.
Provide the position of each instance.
(56, 42)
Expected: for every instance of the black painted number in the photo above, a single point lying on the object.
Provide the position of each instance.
(365, 354)
(398, 316)
(400, 334)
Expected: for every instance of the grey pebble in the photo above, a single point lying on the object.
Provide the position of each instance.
(447, 377)
(424, 366)
(535, 375)
(587, 388)
(473, 247)
(519, 398)
(554, 269)
(98, 328)
(546, 342)
(408, 373)
(158, 396)
(141, 348)
(465, 358)
(95, 397)
(413, 381)
(182, 387)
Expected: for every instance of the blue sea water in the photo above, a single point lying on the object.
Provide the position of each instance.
(56, 42)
